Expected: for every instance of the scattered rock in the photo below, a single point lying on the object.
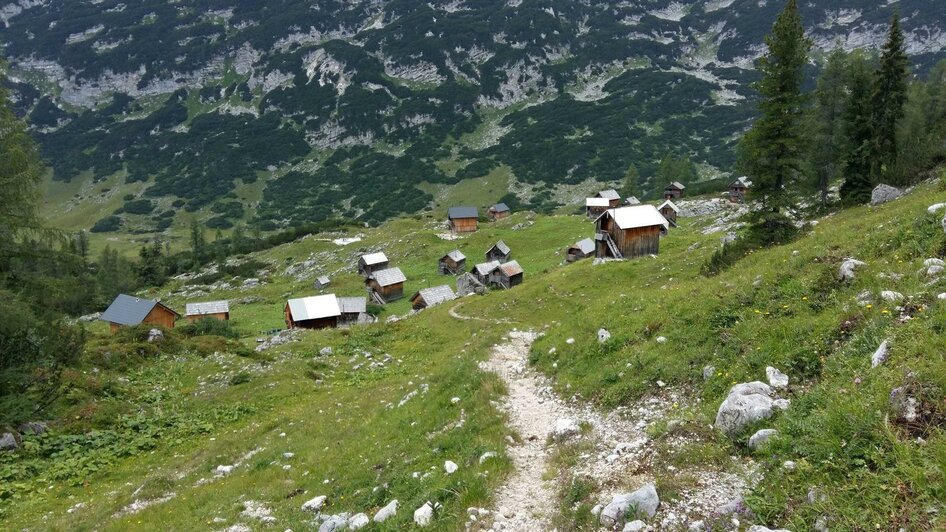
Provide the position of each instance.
(697, 526)
(314, 505)
(903, 405)
(570, 341)
(33, 427)
(155, 335)
(358, 521)
(8, 442)
(760, 528)
(846, 272)
(789, 465)
(252, 282)
(450, 467)
(644, 500)
(333, 523)
(936, 207)
(729, 238)
(603, 336)
(746, 403)
(884, 193)
(777, 379)
(635, 526)
(486, 456)
(386, 513)
(424, 515)
(815, 495)
(661, 339)
(864, 298)
(223, 470)
(891, 296)
(325, 351)
(761, 437)
(708, 372)
(880, 355)
(564, 429)
(258, 510)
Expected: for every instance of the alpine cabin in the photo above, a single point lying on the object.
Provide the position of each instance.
(463, 219)
(580, 250)
(322, 282)
(372, 262)
(510, 274)
(738, 189)
(428, 297)
(614, 199)
(669, 212)
(499, 211)
(595, 206)
(500, 252)
(386, 285)
(674, 191)
(314, 312)
(453, 263)
(485, 272)
(128, 310)
(353, 310)
(218, 310)
(629, 232)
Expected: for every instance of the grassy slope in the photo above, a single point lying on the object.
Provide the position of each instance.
(837, 431)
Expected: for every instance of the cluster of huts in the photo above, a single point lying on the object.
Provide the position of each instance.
(128, 310)
(466, 219)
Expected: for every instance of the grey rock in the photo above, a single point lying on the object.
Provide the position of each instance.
(33, 427)
(358, 521)
(936, 207)
(746, 403)
(635, 526)
(325, 351)
(334, 522)
(903, 405)
(736, 506)
(603, 336)
(565, 428)
(424, 515)
(761, 437)
(8, 442)
(891, 296)
(846, 271)
(314, 505)
(644, 501)
(155, 335)
(884, 193)
(760, 528)
(816, 495)
(697, 526)
(729, 238)
(252, 282)
(386, 513)
(777, 379)
(781, 404)
(708, 372)
(880, 355)
(821, 524)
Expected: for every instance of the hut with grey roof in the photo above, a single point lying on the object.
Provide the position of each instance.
(128, 310)
(510, 274)
(218, 310)
(498, 212)
(372, 262)
(674, 190)
(463, 219)
(595, 206)
(580, 250)
(485, 272)
(467, 284)
(738, 189)
(313, 312)
(428, 297)
(500, 252)
(453, 263)
(353, 310)
(614, 199)
(629, 232)
(386, 285)
(322, 282)
(669, 211)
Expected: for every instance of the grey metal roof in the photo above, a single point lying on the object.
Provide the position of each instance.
(486, 267)
(462, 212)
(207, 307)
(510, 268)
(324, 280)
(374, 258)
(456, 255)
(609, 194)
(501, 246)
(389, 276)
(677, 185)
(314, 307)
(352, 305)
(632, 201)
(500, 207)
(586, 246)
(435, 295)
(670, 204)
(129, 310)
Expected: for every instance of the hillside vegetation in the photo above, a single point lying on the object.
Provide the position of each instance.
(152, 422)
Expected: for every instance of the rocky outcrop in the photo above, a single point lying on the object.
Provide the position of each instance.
(884, 193)
(747, 403)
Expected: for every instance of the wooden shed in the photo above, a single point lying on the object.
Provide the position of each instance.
(435, 295)
(614, 199)
(372, 262)
(499, 211)
(500, 252)
(595, 206)
(669, 211)
(353, 310)
(510, 274)
(322, 282)
(386, 285)
(453, 263)
(219, 310)
(580, 250)
(314, 312)
(463, 219)
(128, 310)
(674, 190)
(632, 200)
(738, 190)
(486, 272)
(629, 232)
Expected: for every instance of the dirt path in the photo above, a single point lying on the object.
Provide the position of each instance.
(456, 315)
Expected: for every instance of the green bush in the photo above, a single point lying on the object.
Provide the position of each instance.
(209, 327)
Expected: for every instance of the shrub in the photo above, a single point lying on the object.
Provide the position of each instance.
(108, 224)
(209, 327)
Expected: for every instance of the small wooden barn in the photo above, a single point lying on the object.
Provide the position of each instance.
(453, 263)
(386, 285)
(322, 282)
(463, 219)
(500, 252)
(614, 199)
(372, 262)
(353, 310)
(435, 295)
(629, 232)
(486, 272)
(314, 312)
(738, 189)
(219, 310)
(595, 206)
(674, 190)
(498, 212)
(580, 250)
(669, 211)
(510, 274)
(128, 310)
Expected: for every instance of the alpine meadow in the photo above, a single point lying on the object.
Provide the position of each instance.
(503, 265)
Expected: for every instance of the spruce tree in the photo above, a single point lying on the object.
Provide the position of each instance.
(770, 153)
(826, 123)
(888, 100)
(858, 132)
(631, 180)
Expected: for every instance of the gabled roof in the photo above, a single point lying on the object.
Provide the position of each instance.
(353, 305)
(374, 258)
(314, 307)
(389, 276)
(610, 194)
(207, 307)
(586, 246)
(462, 212)
(597, 202)
(130, 310)
(670, 204)
(499, 207)
(501, 246)
(636, 216)
(455, 256)
(632, 200)
(485, 268)
(741, 182)
(510, 268)
(435, 295)
(323, 280)
(677, 185)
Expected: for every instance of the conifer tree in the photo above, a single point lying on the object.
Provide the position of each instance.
(858, 131)
(631, 181)
(826, 123)
(888, 100)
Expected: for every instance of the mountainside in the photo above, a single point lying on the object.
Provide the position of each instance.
(286, 112)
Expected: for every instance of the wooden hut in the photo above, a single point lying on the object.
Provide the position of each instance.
(500, 252)
(428, 297)
(669, 211)
(386, 285)
(629, 232)
(632, 200)
(463, 219)
(322, 282)
(595, 206)
(353, 310)
(674, 190)
(314, 312)
(498, 212)
(738, 189)
(219, 310)
(453, 263)
(372, 262)
(580, 250)
(614, 199)
(486, 273)
(510, 274)
(128, 310)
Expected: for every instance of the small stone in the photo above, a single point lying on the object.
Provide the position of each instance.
(697, 526)
(570, 341)
(777, 379)
(454, 400)
(761, 437)
(486, 456)
(155, 335)
(358, 521)
(223, 470)
(661, 339)
(424, 515)
(891, 296)
(314, 505)
(8, 442)
(883, 193)
(325, 351)
(708, 372)
(880, 355)
(564, 429)
(386, 513)
(789, 465)
(450, 467)
(644, 500)
(846, 272)
(635, 526)
(603, 336)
